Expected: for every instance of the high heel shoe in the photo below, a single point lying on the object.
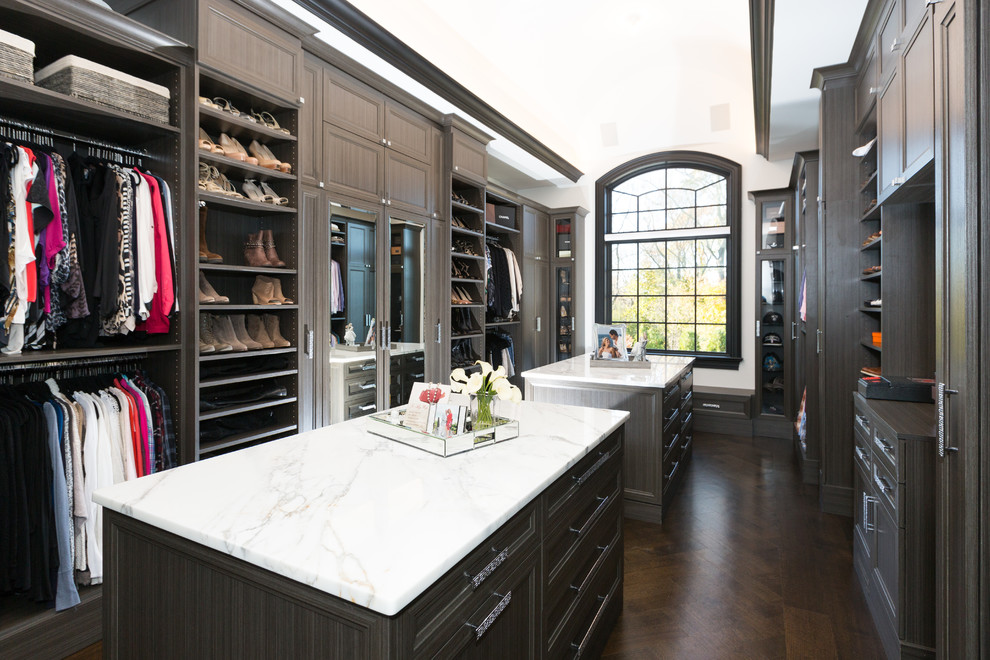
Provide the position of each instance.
(278, 292)
(268, 120)
(265, 157)
(208, 294)
(207, 144)
(257, 332)
(266, 189)
(263, 291)
(271, 326)
(268, 239)
(254, 251)
(255, 194)
(250, 160)
(229, 150)
(240, 331)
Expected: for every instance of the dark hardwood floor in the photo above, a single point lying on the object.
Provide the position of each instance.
(744, 566)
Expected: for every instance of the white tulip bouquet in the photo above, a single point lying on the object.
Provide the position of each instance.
(488, 381)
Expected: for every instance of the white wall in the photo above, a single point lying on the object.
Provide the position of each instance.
(757, 174)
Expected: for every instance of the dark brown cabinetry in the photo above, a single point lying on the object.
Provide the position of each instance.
(563, 230)
(311, 123)
(536, 303)
(547, 583)
(894, 530)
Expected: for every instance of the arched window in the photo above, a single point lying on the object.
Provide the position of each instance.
(667, 261)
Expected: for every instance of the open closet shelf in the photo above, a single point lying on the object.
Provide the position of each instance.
(208, 307)
(461, 255)
(872, 213)
(233, 355)
(870, 345)
(466, 207)
(245, 206)
(37, 105)
(469, 232)
(493, 324)
(251, 270)
(235, 380)
(873, 277)
(236, 410)
(224, 122)
(244, 438)
(82, 353)
(495, 228)
(229, 166)
(214, 83)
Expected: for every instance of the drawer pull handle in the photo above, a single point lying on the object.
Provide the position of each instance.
(603, 549)
(586, 640)
(368, 367)
(687, 397)
(686, 376)
(368, 407)
(862, 421)
(882, 483)
(673, 442)
(482, 628)
(418, 358)
(476, 580)
(687, 420)
(368, 386)
(673, 470)
(884, 446)
(594, 514)
(867, 501)
(677, 388)
(673, 416)
(594, 468)
(862, 454)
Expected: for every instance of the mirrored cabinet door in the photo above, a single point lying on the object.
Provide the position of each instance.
(406, 306)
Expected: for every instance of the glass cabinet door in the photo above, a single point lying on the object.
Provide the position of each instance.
(564, 312)
(406, 308)
(773, 224)
(774, 336)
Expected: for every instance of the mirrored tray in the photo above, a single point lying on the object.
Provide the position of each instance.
(388, 424)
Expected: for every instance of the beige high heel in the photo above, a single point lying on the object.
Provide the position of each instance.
(206, 143)
(226, 187)
(250, 160)
(265, 157)
(282, 166)
(263, 291)
(254, 193)
(229, 150)
(277, 295)
(266, 189)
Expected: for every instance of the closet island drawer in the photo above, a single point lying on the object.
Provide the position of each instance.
(576, 483)
(438, 614)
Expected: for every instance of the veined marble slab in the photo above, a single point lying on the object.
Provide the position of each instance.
(358, 516)
(578, 369)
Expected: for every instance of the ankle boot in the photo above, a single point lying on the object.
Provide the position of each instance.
(237, 321)
(208, 342)
(277, 295)
(208, 294)
(263, 291)
(204, 252)
(254, 251)
(271, 326)
(269, 242)
(223, 329)
(256, 330)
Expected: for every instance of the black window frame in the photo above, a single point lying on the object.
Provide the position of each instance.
(732, 172)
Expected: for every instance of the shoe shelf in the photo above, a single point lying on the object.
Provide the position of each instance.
(28, 356)
(495, 228)
(495, 324)
(229, 165)
(870, 310)
(871, 213)
(236, 380)
(467, 232)
(246, 205)
(61, 112)
(460, 206)
(221, 121)
(247, 270)
(463, 280)
(870, 183)
(872, 245)
(226, 307)
(247, 407)
(462, 255)
(233, 355)
(868, 343)
(229, 442)
(872, 277)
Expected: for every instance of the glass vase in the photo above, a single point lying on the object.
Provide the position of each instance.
(484, 416)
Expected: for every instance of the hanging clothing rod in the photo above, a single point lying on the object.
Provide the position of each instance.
(70, 363)
(41, 130)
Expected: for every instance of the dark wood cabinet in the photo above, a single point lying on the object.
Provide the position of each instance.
(311, 123)
(894, 521)
(352, 165)
(889, 41)
(469, 158)
(353, 106)
(890, 131)
(867, 86)
(536, 303)
(408, 133)
(918, 66)
(408, 183)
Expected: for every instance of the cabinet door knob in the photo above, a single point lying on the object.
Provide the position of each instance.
(873, 90)
(929, 3)
(895, 45)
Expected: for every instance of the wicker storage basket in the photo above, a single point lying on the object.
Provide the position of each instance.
(16, 57)
(100, 84)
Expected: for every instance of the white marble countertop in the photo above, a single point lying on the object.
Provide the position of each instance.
(358, 516)
(344, 356)
(661, 373)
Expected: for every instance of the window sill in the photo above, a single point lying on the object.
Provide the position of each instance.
(706, 361)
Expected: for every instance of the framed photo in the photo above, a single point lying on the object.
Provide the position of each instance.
(610, 342)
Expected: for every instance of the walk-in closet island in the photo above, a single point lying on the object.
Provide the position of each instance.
(341, 543)
(660, 430)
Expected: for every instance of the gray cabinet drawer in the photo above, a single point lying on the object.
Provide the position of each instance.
(361, 407)
(361, 367)
(573, 485)
(885, 448)
(358, 387)
(581, 636)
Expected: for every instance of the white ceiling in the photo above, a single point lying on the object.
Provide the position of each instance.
(602, 82)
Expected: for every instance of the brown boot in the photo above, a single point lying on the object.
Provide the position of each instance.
(204, 252)
(271, 325)
(254, 251)
(206, 336)
(223, 330)
(240, 331)
(269, 241)
(257, 332)
(263, 291)
(277, 295)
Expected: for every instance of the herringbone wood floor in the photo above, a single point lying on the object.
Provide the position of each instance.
(744, 566)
